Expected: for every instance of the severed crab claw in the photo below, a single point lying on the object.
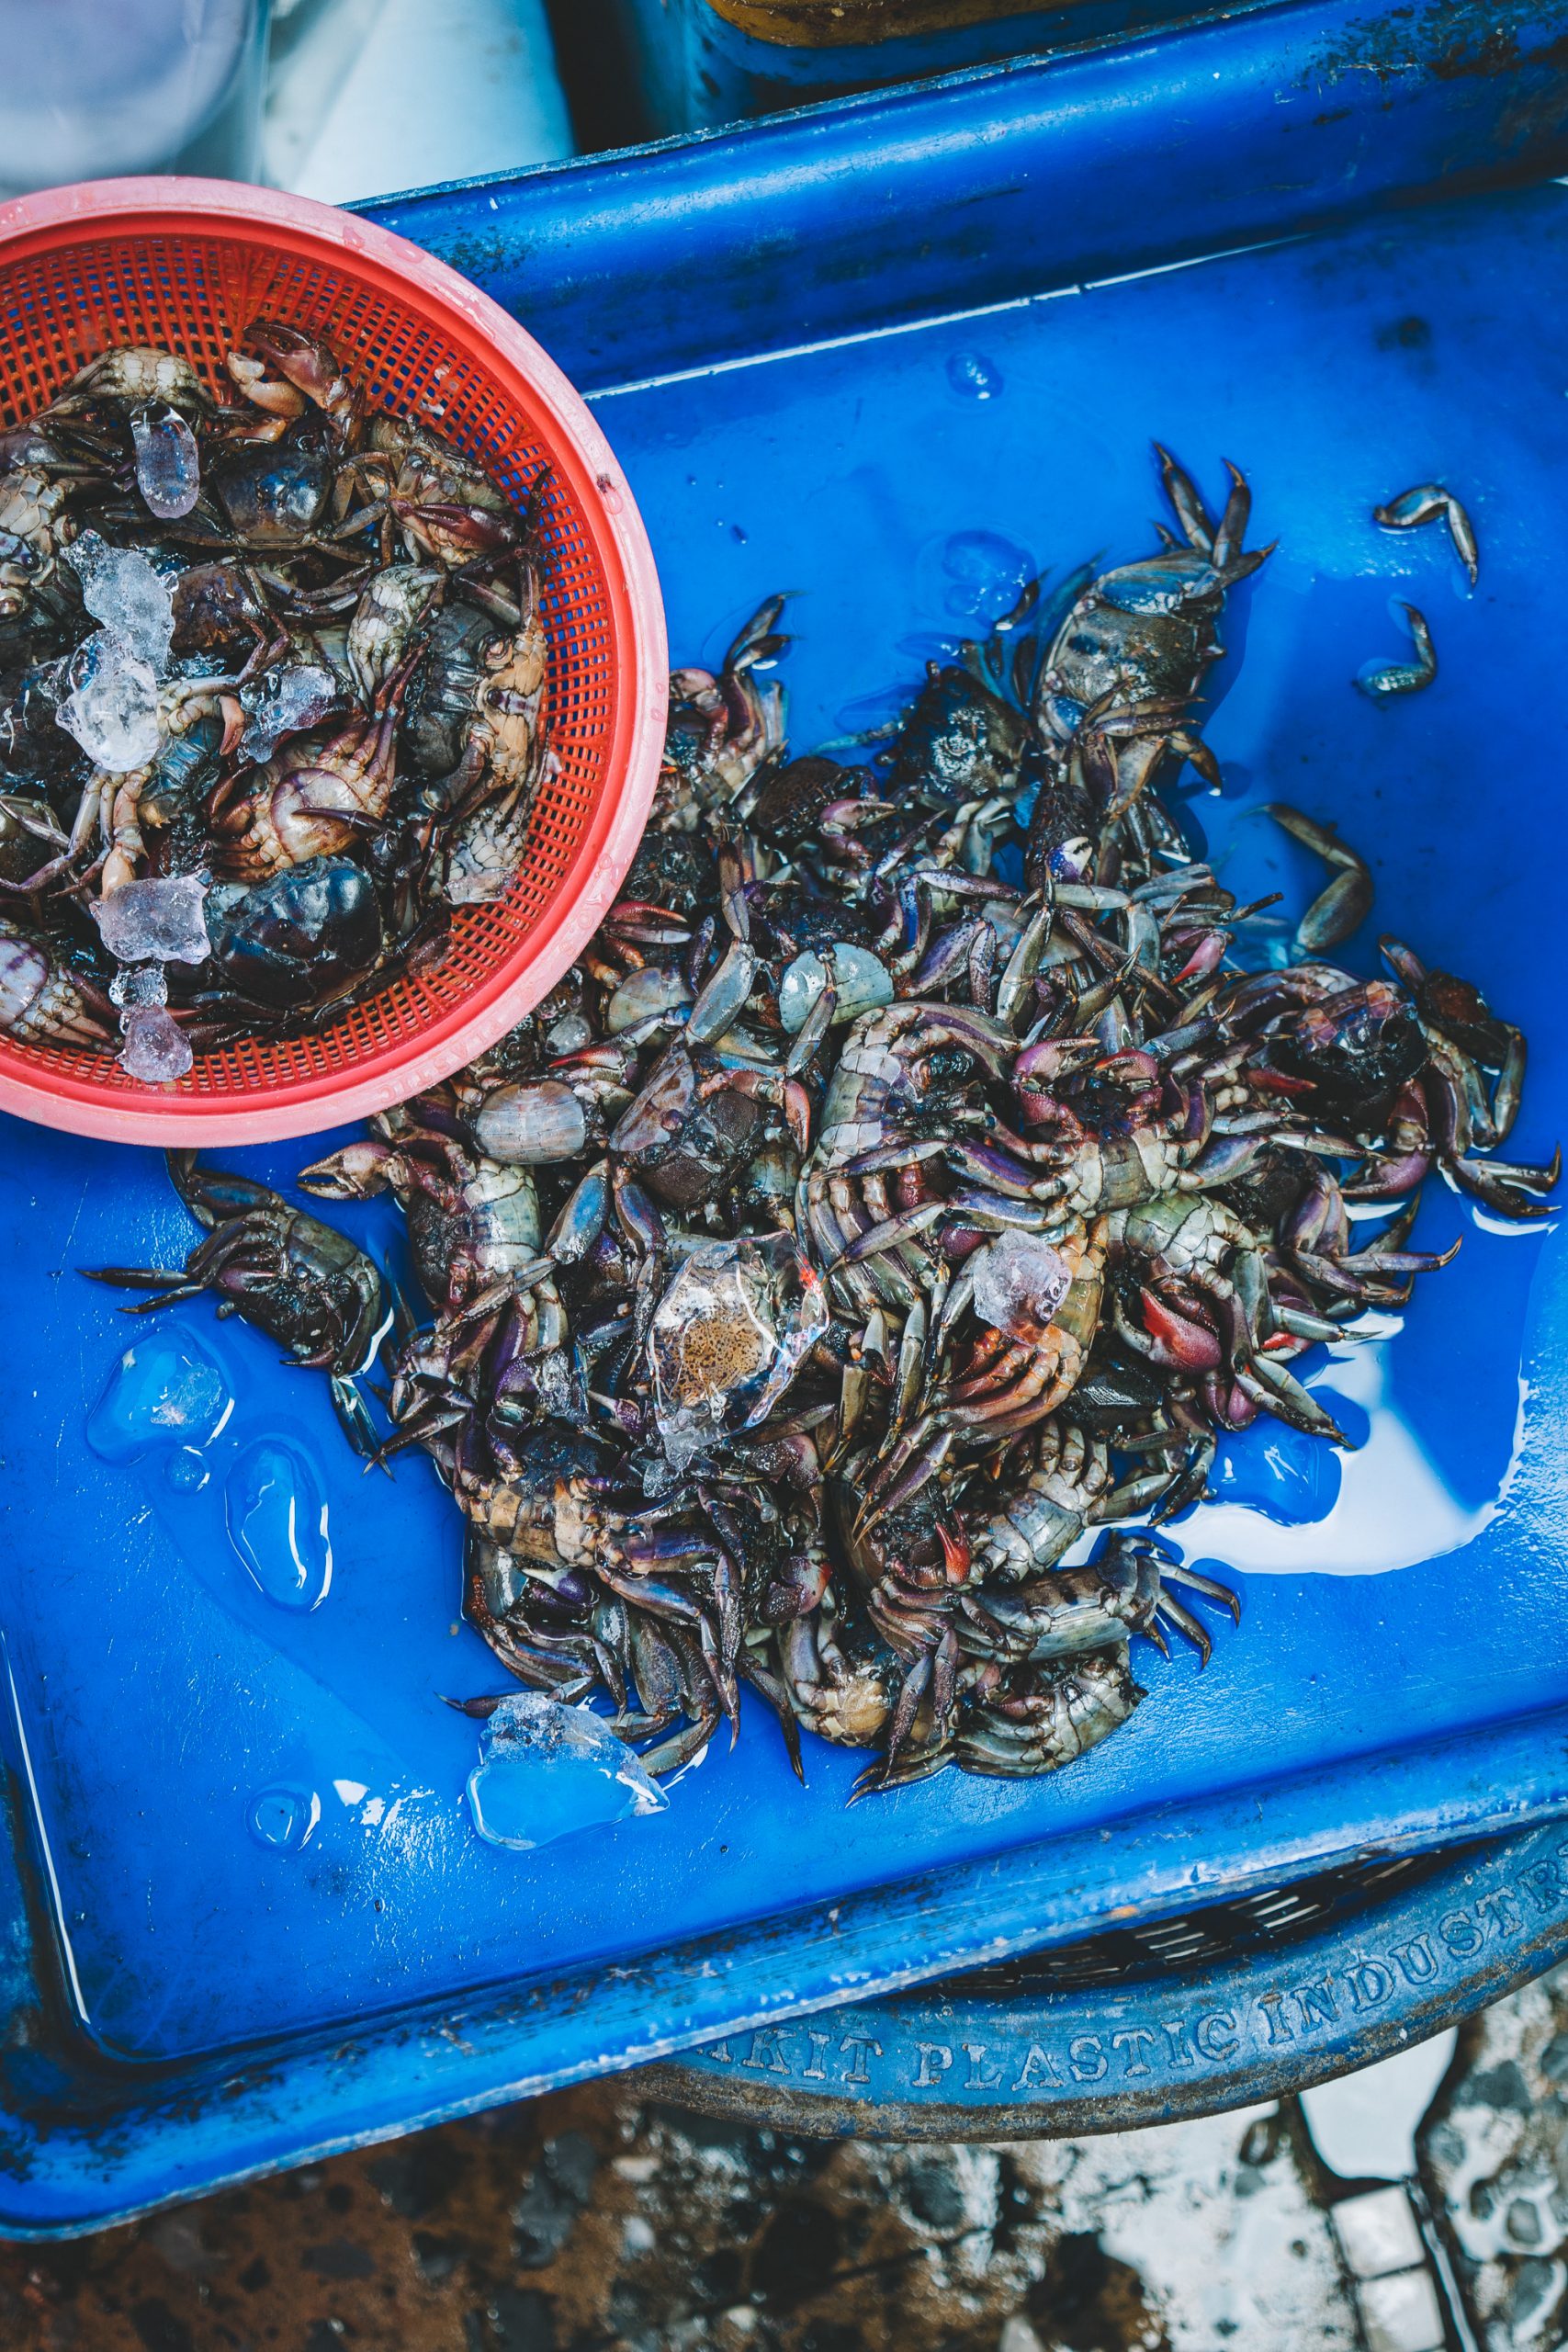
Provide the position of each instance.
(1384, 679)
(1336, 911)
(1426, 504)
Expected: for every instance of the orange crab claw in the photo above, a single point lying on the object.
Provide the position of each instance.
(955, 1551)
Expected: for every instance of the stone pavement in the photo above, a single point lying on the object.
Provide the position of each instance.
(592, 2221)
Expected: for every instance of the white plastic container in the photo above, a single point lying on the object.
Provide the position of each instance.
(92, 91)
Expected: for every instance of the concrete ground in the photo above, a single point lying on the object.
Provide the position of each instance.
(595, 2221)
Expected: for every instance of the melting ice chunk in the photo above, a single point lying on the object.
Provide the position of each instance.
(278, 1524)
(168, 464)
(155, 921)
(985, 575)
(166, 1390)
(186, 1471)
(131, 597)
(728, 1338)
(547, 1770)
(1020, 1282)
(156, 1049)
(285, 702)
(112, 710)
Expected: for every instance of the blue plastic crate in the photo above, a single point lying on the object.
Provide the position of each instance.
(781, 332)
(1161, 2023)
(696, 65)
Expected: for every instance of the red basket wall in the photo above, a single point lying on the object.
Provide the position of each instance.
(424, 345)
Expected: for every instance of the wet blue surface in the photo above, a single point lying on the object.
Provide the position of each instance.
(1336, 373)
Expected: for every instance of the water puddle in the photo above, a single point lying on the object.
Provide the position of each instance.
(276, 1517)
(974, 377)
(239, 1480)
(1289, 1503)
(975, 576)
(285, 1819)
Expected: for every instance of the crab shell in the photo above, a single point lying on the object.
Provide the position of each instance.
(39, 1005)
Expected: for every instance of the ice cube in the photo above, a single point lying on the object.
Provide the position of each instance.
(285, 702)
(112, 710)
(155, 921)
(155, 1049)
(713, 1339)
(139, 984)
(166, 1390)
(728, 1337)
(547, 1770)
(168, 463)
(131, 597)
(285, 1819)
(1020, 1282)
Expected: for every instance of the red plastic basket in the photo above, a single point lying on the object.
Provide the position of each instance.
(186, 264)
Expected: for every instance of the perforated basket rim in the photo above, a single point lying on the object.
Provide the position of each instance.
(168, 207)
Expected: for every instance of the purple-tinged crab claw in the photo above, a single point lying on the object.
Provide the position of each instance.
(582, 1219)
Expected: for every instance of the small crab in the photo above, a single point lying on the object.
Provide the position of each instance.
(302, 1283)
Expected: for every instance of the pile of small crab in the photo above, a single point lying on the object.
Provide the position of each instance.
(911, 1187)
(284, 645)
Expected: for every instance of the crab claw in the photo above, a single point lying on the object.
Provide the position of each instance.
(1229, 1404)
(309, 365)
(955, 1551)
(358, 1172)
(280, 400)
(1499, 1184)
(452, 533)
(794, 1589)
(233, 715)
(1179, 1343)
